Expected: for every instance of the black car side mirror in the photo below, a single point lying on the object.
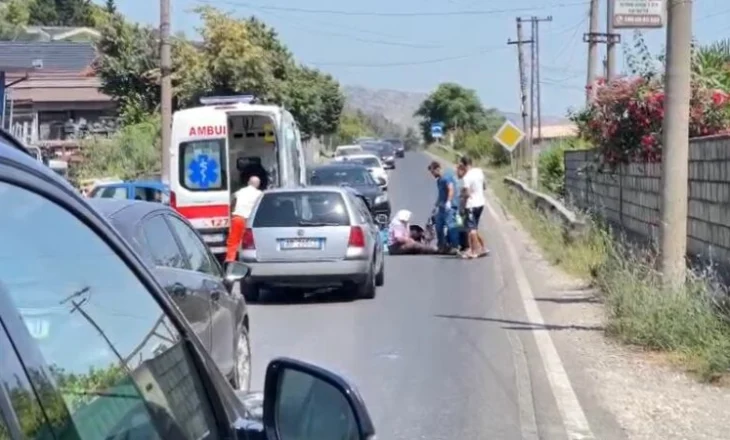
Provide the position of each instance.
(306, 402)
(235, 272)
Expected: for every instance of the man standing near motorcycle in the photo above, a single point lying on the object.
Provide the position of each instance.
(446, 205)
(474, 187)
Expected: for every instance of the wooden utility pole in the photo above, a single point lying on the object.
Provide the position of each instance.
(535, 103)
(520, 42)
(165, 87)
(592, 41)
(675, 144)
(610, 43)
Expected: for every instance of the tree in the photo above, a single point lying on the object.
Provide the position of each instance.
(61, 13)
(315, 100)
(127, 66)
(16, 13)
(110, 7)
(456, 107)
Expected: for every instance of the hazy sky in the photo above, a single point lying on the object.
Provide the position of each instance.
(363, 45)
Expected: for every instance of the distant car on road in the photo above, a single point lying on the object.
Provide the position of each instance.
(356, 176)
(193, 278)
(373, 164)
(311, 238)
(384, 150)
(146, 190)
(346, 150)
(400, 148)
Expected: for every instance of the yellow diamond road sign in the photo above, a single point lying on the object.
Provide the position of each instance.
(509, 136)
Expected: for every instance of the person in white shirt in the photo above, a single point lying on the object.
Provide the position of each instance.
(474, 186)
(243, 202)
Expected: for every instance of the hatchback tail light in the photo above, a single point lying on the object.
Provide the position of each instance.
(357, 237)
(247, 242)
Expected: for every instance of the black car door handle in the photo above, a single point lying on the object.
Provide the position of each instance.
(215, 295)
(178, 290)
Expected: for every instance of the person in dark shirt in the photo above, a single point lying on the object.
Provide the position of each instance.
(446, 205)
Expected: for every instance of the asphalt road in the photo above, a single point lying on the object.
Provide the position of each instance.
(440, 353)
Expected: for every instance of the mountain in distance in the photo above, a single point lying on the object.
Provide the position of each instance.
(398, 106)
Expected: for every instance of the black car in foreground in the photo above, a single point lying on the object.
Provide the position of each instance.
(400, 148)
(359, 178)
(93, 348)
(193, 278)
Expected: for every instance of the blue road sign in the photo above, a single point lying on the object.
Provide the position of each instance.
(204, 171)
(437, 130)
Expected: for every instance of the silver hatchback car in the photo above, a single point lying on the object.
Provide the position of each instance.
(312, 238)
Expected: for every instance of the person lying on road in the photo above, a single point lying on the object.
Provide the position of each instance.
(399, 237)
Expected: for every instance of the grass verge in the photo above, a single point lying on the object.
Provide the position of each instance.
(686, 324)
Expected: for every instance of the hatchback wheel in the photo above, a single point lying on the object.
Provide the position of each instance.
(367, 289)
(242, 365)
(380, 276)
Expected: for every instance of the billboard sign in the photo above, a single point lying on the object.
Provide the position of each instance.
(638, 14)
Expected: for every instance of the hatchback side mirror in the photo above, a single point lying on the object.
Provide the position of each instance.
(235, 272)
(306, 402)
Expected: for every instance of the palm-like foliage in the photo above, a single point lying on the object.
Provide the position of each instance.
(711, 65)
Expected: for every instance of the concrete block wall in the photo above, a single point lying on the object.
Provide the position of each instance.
(629, 197)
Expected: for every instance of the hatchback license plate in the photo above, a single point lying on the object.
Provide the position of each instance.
(300, 243)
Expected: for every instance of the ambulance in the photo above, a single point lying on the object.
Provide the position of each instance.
(213, 149)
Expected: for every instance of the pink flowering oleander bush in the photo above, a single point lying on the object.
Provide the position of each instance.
(624, 120)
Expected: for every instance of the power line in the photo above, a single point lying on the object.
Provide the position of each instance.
(413, 63)
(397, 14)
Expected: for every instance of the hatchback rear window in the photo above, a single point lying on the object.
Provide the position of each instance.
(301, 209)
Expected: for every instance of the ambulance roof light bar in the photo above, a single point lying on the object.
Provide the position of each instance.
(223, 100)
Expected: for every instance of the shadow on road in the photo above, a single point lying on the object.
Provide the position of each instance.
(296, 297)
(522, 325)
(584, 299)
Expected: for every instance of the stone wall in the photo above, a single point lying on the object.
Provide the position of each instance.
(629, 197)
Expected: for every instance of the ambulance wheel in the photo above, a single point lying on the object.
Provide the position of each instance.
(251, 292)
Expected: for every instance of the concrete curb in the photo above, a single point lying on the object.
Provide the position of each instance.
(553, 210)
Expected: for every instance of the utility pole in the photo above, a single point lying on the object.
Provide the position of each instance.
(523, 88)
(535, 103)
(610, 43)
(165, 87)
(592, 41)
(675, 144)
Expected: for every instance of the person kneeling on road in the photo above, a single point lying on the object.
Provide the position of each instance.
(243, 202)
(400, 241)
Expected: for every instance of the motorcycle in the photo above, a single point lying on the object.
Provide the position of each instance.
(427, 234)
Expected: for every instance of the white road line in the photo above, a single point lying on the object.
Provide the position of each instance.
(574, 419)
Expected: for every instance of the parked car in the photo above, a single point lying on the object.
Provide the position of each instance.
(92, 347)
(346, 150)
(147, 190)
(400, 148)
(373, 164)
(312, 238)
(383, 150)
(355, 176)
(192, 276)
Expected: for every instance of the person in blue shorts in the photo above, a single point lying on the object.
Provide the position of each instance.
(447, 202)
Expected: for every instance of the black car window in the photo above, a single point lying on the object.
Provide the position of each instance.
(197, 253)
(109, 192)
(301, 208)
(118, 363)
(161, 243)
(148, 194)
(342, 176)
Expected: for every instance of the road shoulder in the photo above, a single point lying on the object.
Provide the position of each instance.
(625, 392)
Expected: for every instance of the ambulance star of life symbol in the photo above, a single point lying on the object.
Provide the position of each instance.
(300, 232)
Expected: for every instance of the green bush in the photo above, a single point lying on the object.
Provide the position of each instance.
(132, 152)
(482, 147)
(551, 166)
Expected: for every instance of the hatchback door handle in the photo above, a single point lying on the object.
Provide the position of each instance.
(215, 295)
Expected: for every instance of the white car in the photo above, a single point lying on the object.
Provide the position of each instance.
(373, 164)
(347, 150)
